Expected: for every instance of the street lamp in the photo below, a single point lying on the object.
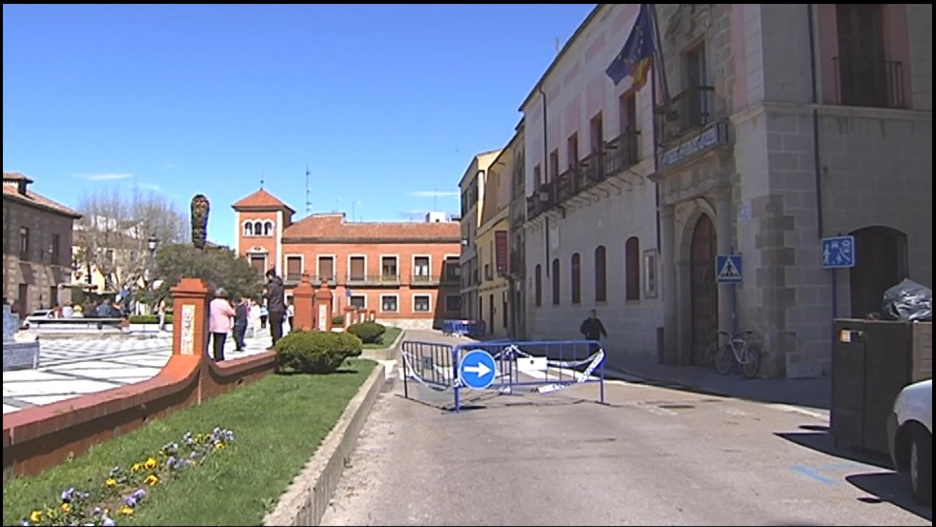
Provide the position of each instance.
(151, 244)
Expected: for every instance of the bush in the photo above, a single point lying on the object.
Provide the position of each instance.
(338, 320)
(368, 332)
(148, 319)
(315, 351)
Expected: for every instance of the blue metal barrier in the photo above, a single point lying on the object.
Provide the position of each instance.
(462, 328)
(534, 366)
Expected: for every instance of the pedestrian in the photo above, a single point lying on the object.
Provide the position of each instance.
(241, 314)
(264, 314)
(220, 322)
(254, 317)
(593, 329)
(276, 304)
(161, 313)
(291, 314)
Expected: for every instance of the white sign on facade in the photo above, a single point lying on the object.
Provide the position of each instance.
(322, 317)
(187, 336)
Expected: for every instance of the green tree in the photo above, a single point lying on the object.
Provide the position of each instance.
(217, 266)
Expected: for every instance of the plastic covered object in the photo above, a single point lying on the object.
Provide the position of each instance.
(908, 301)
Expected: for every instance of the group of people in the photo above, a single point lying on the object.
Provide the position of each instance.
(226, 316)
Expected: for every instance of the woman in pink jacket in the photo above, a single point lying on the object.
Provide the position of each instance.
(220, 322)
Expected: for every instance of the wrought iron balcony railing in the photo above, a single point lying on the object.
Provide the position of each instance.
(869, 83)
(374, 280)
(688, 110)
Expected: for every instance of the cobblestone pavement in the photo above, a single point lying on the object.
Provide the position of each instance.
(69, 367)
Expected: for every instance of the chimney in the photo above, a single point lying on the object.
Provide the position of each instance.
(17, 181)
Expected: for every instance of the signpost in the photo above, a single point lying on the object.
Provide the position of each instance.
(728, 271)
(838, 252)
(477, 369)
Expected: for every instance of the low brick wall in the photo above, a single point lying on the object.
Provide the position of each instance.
(40, 437)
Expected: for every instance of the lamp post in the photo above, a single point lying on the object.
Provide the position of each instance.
(151, 244)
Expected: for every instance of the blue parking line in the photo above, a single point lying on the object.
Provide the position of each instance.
(812, 473)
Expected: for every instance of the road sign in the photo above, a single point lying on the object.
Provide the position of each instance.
(729, 268)
(477, 369)
(838, 252)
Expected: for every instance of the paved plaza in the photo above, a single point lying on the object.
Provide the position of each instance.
(69, 367)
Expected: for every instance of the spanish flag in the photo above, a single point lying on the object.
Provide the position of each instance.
(636, 56)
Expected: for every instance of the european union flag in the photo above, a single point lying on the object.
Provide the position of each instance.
(636, 55)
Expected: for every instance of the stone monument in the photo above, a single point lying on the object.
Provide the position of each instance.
(17, 354)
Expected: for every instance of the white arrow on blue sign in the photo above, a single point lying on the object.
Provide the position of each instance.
(477, 369)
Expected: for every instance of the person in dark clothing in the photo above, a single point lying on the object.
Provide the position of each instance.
(241, 312)
(592, 328)
(276, 304)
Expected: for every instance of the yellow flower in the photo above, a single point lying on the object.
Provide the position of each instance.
(136, 467)
(66, 507)
(36, 516)
(126, 510)
(151, 480)
(219, 446)
(110, 482)
(150, 463)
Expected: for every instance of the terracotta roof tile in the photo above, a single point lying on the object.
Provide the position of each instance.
(332, 227)
(30, 198)
(259, 200)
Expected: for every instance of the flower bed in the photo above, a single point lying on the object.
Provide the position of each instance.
(124, 489)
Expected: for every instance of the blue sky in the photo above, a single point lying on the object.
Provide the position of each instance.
(386, 104)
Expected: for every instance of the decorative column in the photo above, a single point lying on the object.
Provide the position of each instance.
(668, 286)
(190, 317)
(724, 244)
(323, 307)
(348, 316)
(303, 301)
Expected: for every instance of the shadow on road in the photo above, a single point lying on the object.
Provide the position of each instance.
(890, 487)
(820, 439)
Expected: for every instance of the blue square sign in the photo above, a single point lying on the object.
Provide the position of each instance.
(838, 252)
(728, 267)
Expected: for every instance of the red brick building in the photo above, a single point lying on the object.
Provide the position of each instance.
(407, 272)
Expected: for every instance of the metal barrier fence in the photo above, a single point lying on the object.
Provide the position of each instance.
(503, 365)
(463, 328)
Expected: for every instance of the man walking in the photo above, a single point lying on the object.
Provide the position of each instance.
(241, 312)
(276, 304)
(592, 328)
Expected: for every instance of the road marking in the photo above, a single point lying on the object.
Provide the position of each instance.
(734, 411)
(653, 409)
(797, 410)
(811, 473)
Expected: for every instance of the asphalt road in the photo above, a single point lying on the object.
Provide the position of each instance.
(653, 456)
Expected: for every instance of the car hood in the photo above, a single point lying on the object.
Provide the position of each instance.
(915, 402)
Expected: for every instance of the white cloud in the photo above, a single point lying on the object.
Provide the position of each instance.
(105, 177)
(150, 186)
(433, 194)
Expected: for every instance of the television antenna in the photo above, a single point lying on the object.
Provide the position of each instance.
(307, 190)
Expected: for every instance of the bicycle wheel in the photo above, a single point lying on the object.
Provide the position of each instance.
(751, 363)
(724, 359)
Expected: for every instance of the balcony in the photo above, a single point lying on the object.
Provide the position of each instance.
(450, 279)
(377, 280)
(620, 153)
(869, 83)
(425, 280)
(689, 110)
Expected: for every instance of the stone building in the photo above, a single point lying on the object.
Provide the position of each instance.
(37, 242)
(772, 127)
(472, 187)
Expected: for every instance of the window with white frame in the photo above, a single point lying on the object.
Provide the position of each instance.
(421, 267)
(248, 229)
(258, 228)
(422, 303)
(358, 301)
(388, 303)
(268, 228)
(453, 303)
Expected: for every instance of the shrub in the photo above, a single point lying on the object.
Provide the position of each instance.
(315, 351)
(148, 319)
(338, 320)
(368, 332)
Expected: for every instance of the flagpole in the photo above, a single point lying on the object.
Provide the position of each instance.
(654, 75)
(658, 45)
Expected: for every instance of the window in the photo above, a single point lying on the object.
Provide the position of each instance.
(452, 269)
(258, 262)
(572, 150)
(421, 267)
(453, 303)
(597, 133)
(24, 243)
(538, 284)
(53, 296)
(537, 178)
(697, 111)
(294, 268)
(632, 268)
(422, 303)
(22, 295)
(576, 279)
(864, 77)
(258, 228)
(56, 249)
(555, 282)
(268, 228)
(627, 106)
(326, 268)
(248, 229)
(357, 268)
(388, 303)
(358, 301)
(601, 280)
(388, 267)
(553, 165)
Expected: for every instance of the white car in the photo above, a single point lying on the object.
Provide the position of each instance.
(910, 435)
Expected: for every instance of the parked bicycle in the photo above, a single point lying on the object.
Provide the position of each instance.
(736, 350)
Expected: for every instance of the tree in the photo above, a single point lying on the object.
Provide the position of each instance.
(217, 266)
(113, 234)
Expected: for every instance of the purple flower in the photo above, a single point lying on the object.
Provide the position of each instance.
(68, 494)
(96, 511)
(115, 471)
(130, 501)
(84, 495)
(107, 521)
(138, 494)
(193, 455)
(25, 522)
(171, 462)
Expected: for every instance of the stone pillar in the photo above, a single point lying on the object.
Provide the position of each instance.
(668, 286)
(348, 316)
(303, 301)
(724, 244)
(323, 307)
(371, 316)
(190, 317)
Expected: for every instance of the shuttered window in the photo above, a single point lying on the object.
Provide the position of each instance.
(357, 268)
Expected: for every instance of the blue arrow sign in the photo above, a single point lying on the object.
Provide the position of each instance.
(477, 369)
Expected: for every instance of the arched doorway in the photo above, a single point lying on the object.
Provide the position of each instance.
(704, 290)
(881, 262)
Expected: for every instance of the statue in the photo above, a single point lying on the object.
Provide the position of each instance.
(199, 221)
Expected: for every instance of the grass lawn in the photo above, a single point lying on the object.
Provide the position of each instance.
(278, 423)
(388, 337)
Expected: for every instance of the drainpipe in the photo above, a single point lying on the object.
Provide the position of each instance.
(817, 162)
(545, 172)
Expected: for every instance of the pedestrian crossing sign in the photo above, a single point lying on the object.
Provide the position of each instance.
(728, 267)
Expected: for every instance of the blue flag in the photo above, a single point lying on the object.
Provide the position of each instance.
(637, 54)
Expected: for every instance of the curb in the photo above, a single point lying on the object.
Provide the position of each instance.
(307, 497)
(388, 353)
(662, 380)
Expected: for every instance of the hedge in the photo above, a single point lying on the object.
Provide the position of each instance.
(315, 351)
(148, 319)
(368, 332)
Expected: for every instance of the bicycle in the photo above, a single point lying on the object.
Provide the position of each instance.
(736, 350)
